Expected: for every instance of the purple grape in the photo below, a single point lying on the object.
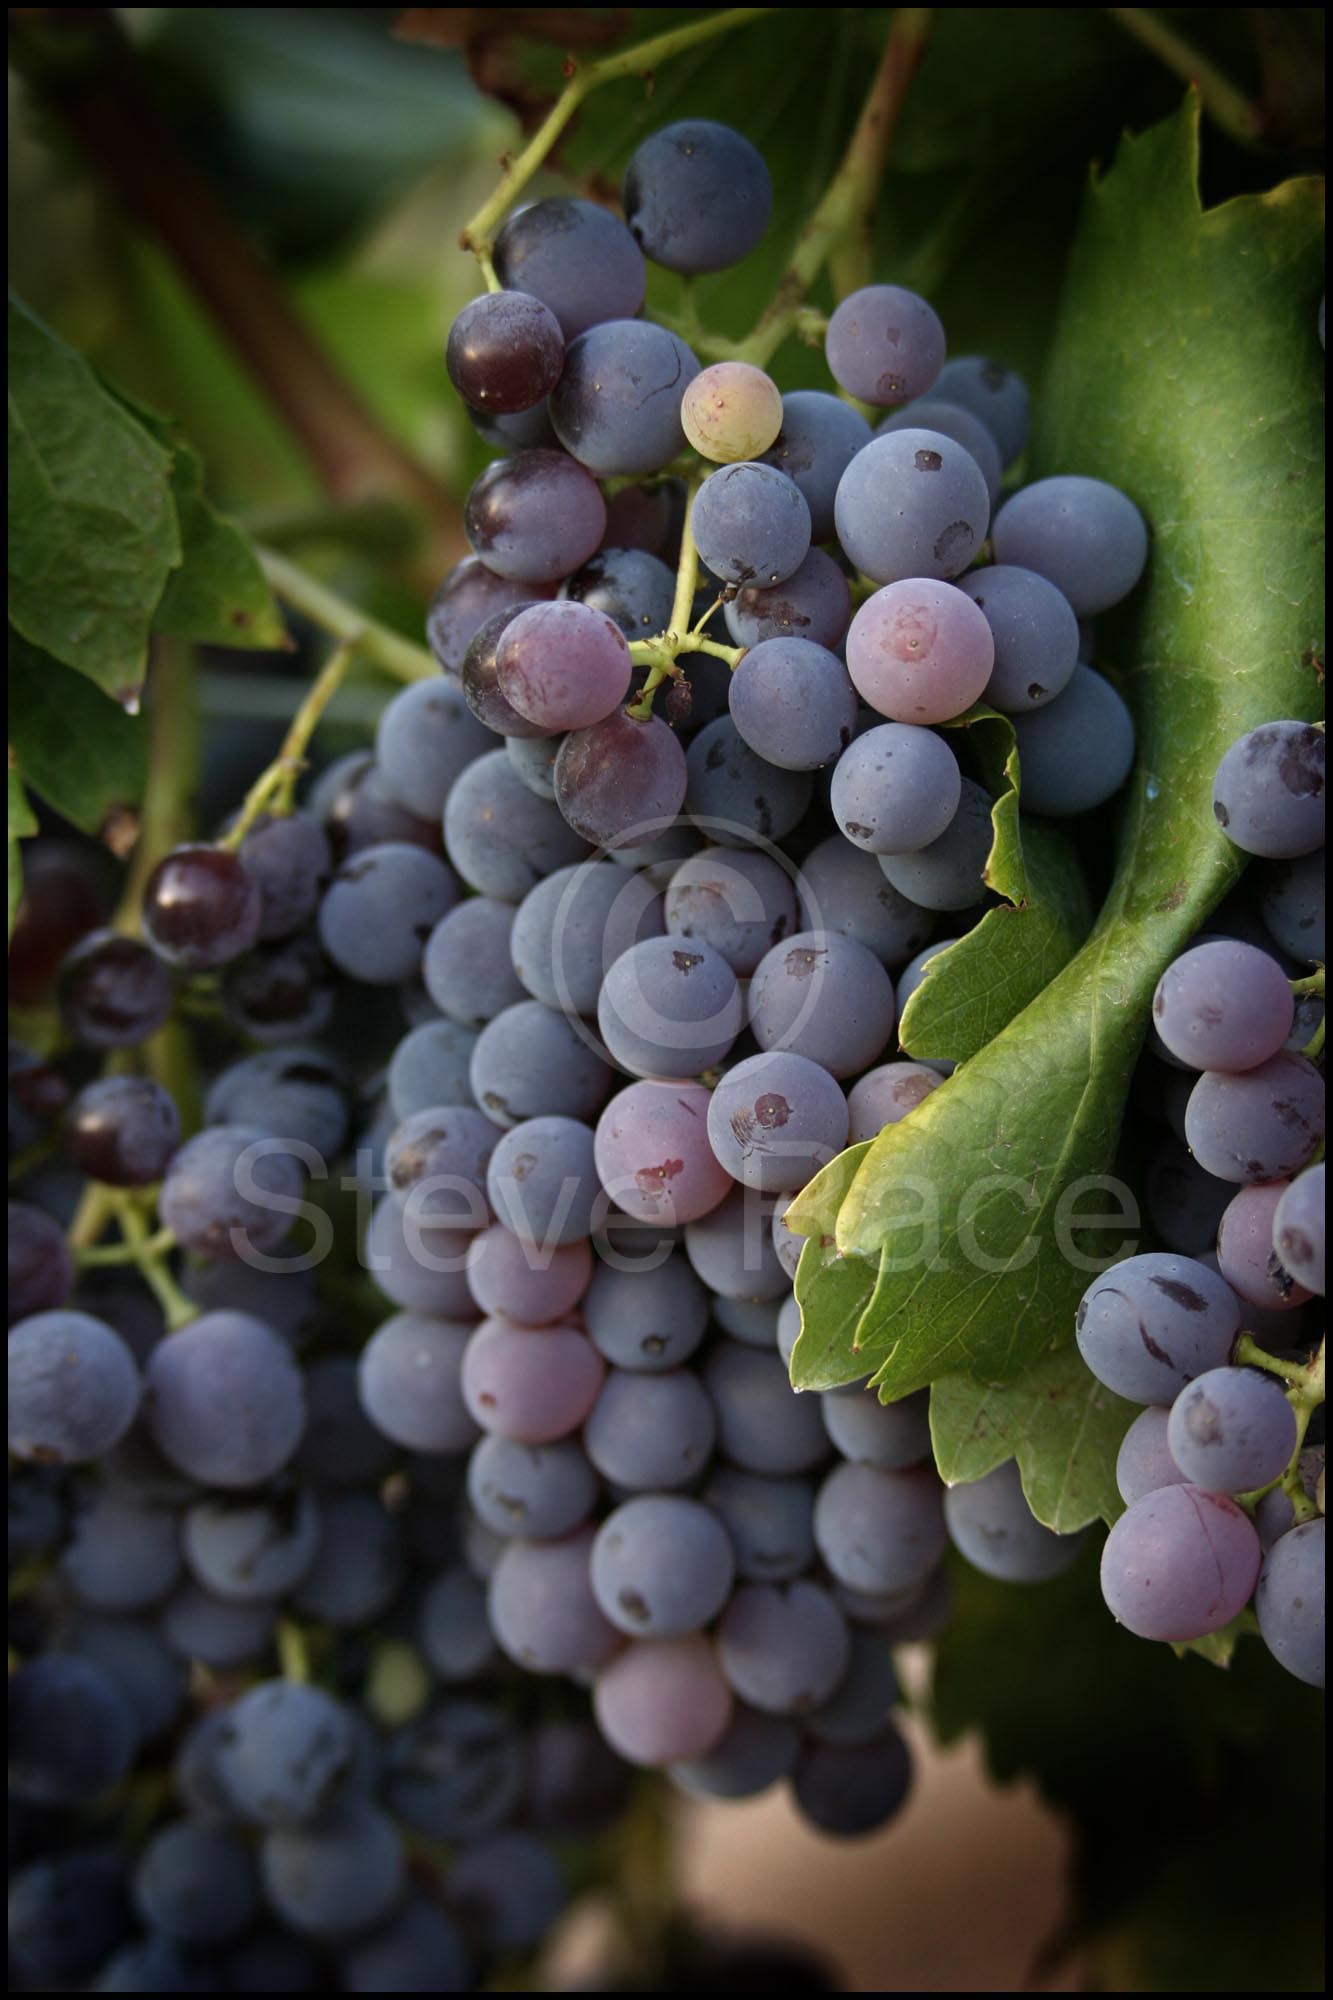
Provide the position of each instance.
(895, 789)
(505, 352)
(224, 1399)
(783, 1647)
(932, 413)
(122, 1130)
(751, 524)
(1076, 751)
(842, 888)
(668, 1008)
(754, 1753)
(852, 1789)
(530, 1384)
(508, 1891)
(775, 1119)
(1261, 1125)
(661, 1566)
(500, 836)
(813, 603)
(1035, 634)
(885, 1096)
(646, 1321)
(696, 196)
(420, 1267)
(823, 996)
(993, 393)
(733, 794)
(948, 874)
(761, 1426)
(537, 1491)
(380, 908)
(408, 1377)
(868, 1432)
(913, 504)
(1289, 1602)
(653, 1156)
(1085, 537)
(884, 345)
(991, 1524)
(250, 1550)
(470, 596)
(920, 651)
(542, 1608)
(531, 1062)
(575, 257)
(1223, 1005)
(542, 1182)
(1245, 1253)
(520, 1282)
(620, 781)
(563, 665)
(1293, 907)
(731, 1247)
(1179, 1564)
(663, 1700)
(535, 517)
(335, 1878)
(769, 1521)
(1232, 1431)
(880, 1531)
(437, 1160)
(616, 408)
(1149, 1325)
(1298, 1229)
(1144, 1463)
(820, 437)
(426, 737)
(737, 901)
(278, 992)
(71, 1733)
(858, 1709)
(73, 1388)
(201, 908)
(793, 703)
(631, 588)
(649, 1432)
(113, 991)
(466, 966)
(41, 1269)
(1268, 794)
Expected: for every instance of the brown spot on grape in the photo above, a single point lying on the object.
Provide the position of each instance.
(928, 461)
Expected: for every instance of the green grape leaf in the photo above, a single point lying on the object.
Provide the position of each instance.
(22, 824)
(219, 596)
(92, 526)
(1059, 1422)
(85, 757)
(833, 1291)
(987, 977)
(1212, 422)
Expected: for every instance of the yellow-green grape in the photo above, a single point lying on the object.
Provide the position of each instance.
(731, 411)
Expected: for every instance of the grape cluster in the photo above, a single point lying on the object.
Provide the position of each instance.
(331, 1648)
(1163, 1329)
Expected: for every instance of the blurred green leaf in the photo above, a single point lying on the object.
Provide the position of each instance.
(85, 757)
(22, 825)
(92, 527)
(219, 595)
(1059, 1422)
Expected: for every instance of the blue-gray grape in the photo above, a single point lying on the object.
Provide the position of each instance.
(1151, 1324)
(697, 196)
(913, 503)
(1085, 537)
(1232, 1430)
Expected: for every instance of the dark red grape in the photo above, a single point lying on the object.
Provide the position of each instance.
(505, 352)
(113, 991)
(122, 1129)
(201, 908)
(41, 1270)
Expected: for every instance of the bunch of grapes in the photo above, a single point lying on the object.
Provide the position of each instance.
(583, 973)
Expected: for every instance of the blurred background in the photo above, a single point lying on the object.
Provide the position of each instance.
(248, 218)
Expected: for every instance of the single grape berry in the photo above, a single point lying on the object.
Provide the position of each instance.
(123, 1130)
(201, 908)
(731, 411)
(1268, 795)
(884, 344)
(697, 196)
(505, 352)
(112, 991)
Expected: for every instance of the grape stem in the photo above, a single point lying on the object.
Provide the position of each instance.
(274, 790)
(1305, 1393)
(845, 209)
(150, 1254)
(380, 644)
(293, 1652)
(638, 60)
(659, 655)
